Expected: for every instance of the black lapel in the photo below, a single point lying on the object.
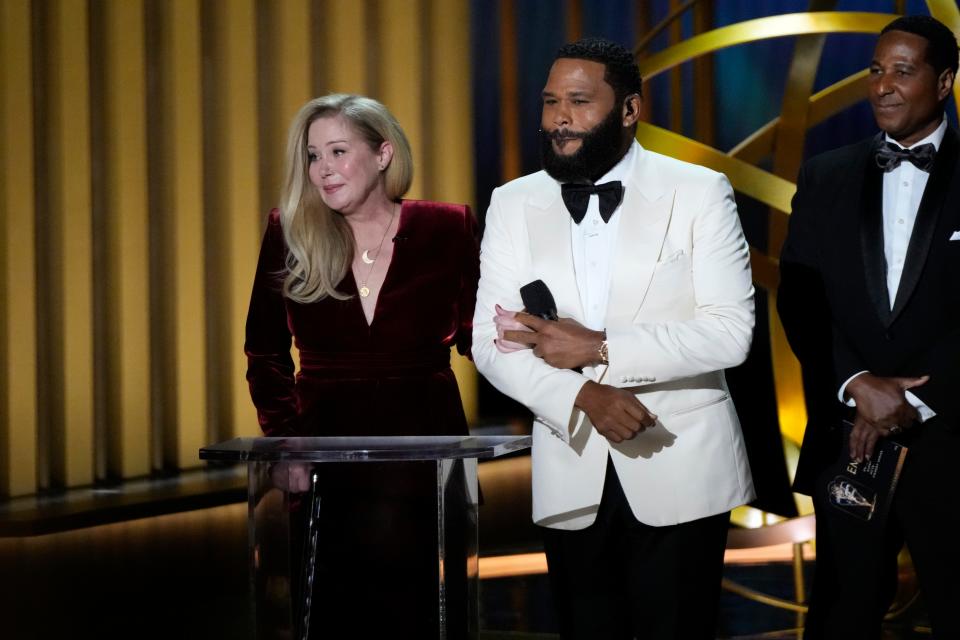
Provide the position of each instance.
(871, 238)
(930, 206)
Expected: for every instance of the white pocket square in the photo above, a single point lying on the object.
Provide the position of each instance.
(673, 257)
(955, 236)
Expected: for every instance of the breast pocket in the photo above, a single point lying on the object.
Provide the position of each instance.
(670, 257)
(672, 266)
(670, 295)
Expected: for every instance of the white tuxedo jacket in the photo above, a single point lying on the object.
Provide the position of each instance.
(680, 311)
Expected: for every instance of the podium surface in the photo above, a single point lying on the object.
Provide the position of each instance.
(359, 449)
(364, 536)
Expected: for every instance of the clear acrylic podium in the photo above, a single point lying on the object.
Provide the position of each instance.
(321, 507)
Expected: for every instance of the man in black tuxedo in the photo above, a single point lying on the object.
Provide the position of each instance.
(870, 300)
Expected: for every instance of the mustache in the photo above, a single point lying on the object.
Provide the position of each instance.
(565, 134)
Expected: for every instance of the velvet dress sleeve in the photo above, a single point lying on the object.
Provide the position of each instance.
(469, 277)
(270, 370)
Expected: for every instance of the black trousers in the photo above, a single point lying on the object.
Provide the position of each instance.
(856, 573)
(620, 579)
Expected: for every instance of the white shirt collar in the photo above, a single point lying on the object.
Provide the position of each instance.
(936, 137)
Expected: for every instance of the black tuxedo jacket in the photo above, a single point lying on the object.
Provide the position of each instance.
(833, 299)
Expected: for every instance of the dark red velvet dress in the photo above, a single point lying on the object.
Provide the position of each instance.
(392, 377)
(377, 558)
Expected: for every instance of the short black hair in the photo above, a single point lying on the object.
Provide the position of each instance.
(622, 72)
(942, 50)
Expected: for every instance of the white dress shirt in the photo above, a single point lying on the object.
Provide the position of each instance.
(902, 191)
(593, 242)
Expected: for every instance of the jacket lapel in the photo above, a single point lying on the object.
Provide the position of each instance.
(645, 212)
(871, 238)
(548, 224)
(923, 228)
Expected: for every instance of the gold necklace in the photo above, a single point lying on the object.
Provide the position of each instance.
(364, 289)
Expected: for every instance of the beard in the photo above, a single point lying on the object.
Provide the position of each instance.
(600, 149)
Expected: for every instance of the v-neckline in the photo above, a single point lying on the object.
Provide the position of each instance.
(386, 276)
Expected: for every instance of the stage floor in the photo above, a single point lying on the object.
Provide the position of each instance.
(520, 608)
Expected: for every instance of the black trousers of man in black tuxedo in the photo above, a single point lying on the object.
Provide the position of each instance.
(621, 579)
(858, 561)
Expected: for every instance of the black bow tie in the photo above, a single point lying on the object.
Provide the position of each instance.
(577, 197)
(889, 156)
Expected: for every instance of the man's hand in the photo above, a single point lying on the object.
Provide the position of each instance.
(564, 343)
(615, 413)
(882, 407)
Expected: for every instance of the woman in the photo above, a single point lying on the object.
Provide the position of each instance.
(374, 291)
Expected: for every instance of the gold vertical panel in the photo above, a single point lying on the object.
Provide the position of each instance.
(509, 94)
(18, 283)
(400, 74)
(448, 96)
(295, 63)
(181, 183)
(343, 52)
(69, 184)
(450, 103)
(127, 225)
(231, 197)
(286, 74)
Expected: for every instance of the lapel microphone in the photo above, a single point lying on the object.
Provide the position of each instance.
(538, 301)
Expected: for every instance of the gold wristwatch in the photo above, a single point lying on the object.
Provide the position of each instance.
(602, 350)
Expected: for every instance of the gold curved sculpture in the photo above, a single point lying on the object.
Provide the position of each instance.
(783, 138)
(745, 177)
(822, 105)
(790, 24)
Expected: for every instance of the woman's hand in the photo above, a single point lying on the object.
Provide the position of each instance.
(293, 477)
(505, 321)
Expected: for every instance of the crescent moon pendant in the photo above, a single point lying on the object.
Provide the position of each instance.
(366, 257)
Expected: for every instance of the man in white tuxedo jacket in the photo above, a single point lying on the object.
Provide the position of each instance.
(638, 455)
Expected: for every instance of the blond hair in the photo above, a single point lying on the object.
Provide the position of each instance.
(319, 241)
